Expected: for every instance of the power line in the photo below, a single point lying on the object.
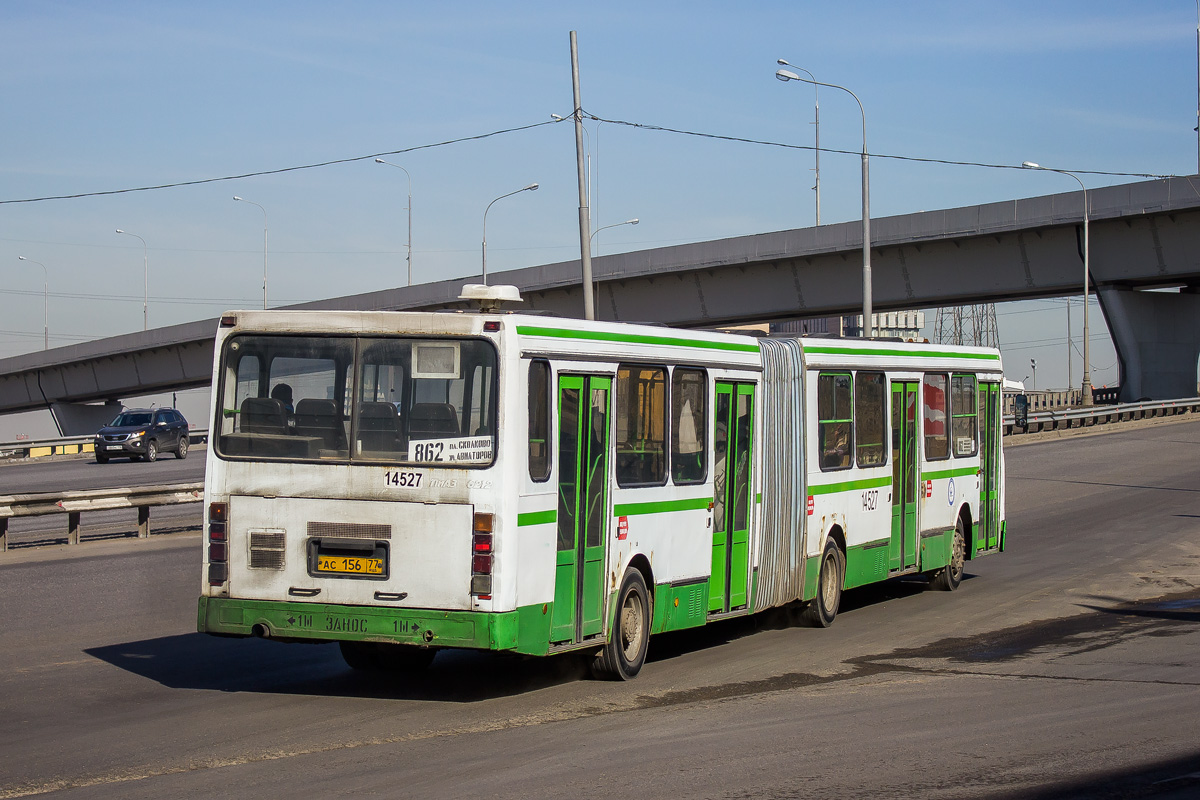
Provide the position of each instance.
(519, 128)
(919, 159)
(281, 170)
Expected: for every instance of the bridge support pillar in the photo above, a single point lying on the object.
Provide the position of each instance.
(83, 419)
(1157, 335)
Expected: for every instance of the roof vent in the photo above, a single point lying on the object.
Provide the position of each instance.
(490, 298)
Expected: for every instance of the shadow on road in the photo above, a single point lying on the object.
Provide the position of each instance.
(1169, 779)
(200, 661)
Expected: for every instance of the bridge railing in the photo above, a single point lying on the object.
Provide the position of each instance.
(1099, 415)
(75, 503)
(66, 445)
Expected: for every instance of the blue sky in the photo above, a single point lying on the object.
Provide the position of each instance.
(117, 95)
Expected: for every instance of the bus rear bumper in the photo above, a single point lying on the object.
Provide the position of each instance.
(317, 622)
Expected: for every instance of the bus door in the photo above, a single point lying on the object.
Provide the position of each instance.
(583, 499)
(732, 506)
(989, 464)
(903, 550)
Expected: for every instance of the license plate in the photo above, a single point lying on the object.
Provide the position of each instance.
(113, 447)
(349, 565)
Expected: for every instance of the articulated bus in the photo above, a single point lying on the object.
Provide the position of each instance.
(406, 482)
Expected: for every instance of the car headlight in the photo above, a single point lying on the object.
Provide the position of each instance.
(137, 435)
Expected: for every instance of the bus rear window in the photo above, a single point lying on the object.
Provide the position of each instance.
(392, 400)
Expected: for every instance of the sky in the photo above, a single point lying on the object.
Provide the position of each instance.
(101, 98)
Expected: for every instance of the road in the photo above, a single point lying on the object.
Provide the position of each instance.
(1065, 667)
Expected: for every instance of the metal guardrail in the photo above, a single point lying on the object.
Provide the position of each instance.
(1099, 415)
(66, 445)
(73, 504)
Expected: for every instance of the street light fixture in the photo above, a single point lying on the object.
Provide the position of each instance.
(817, 133)
(530, 188)
(397, 166)
(633, 221)
(260, 208)
(868, 328)
(145, 279)
(1087, 365)
(45, 298)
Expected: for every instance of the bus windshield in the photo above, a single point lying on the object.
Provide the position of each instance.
(395, 400)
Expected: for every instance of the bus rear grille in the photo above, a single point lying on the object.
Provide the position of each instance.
(266, 550)
(350, 530)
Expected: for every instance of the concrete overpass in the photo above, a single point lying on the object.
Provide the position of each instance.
(1143, 235)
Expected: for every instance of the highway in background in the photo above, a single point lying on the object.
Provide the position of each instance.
(1068, 666)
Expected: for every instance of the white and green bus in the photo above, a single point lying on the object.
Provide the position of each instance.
(405, 482)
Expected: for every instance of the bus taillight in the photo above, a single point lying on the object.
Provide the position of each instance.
(481, 557)
(218, 553)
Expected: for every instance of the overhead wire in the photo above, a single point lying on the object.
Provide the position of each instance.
(554, 121)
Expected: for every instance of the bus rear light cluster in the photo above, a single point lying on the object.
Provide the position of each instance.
(481, 556)
(218, 550)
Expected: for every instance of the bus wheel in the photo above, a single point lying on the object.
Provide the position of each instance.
(623, 656)
(949, 577)
(403, 658)
(824, 607)
(359, 655)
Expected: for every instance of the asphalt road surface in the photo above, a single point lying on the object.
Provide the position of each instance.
(1068, 666)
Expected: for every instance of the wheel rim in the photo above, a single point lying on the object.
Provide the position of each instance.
(183, 447)
(151, 451)
(956, 557)
(828, 583)
(633, 622)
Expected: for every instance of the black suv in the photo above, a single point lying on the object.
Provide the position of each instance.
(143, 433)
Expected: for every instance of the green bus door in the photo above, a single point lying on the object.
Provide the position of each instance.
(903, 550)
(734, 442)
(583, 423)
(989, 464)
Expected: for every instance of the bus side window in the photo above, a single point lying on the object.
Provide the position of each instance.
(641, 426)
(539, 420)
(869, 415)
(962, 408)
(689, 425)
(937, 434)
(835, 424)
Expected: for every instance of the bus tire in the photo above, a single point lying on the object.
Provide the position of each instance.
(623, 655)
(359, 655)
(824, 607)
(950, 576)
(403, 658)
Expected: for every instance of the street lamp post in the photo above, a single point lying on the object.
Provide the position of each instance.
(816, 131)
(868, 328)
(145, 279)
(45, 299)
(397, 166)
(633, 221)
(1087, 364)
(530, 188)
(260, 208)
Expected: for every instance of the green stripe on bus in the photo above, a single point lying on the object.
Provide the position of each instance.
(661, 507)
(873, 351)
(949, 473)
(850, 486)
(633, 338)
(537, 518)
